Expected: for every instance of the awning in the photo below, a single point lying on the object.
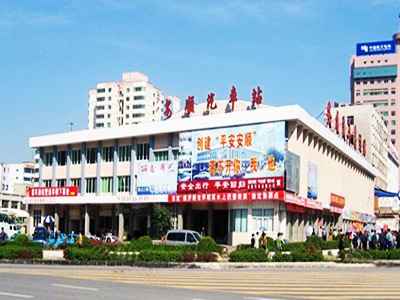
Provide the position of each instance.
(382, 193)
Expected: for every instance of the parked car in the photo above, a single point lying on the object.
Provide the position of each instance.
(182, 237)
(93, 237)
(12, 238)
(40, 235)
(71, 238)
(109, 238)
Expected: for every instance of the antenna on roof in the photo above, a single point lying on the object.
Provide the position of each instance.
(71, 123)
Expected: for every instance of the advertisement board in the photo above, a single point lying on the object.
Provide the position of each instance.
(157, 177)
(292, 166)
(312, 181)
(384, 47)
(64, 191)
(242, 154)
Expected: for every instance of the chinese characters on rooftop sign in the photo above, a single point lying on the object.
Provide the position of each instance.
(157, 177)
(375, 48)
(65, 191)
(235, 154)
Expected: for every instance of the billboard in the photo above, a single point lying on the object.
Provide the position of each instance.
(312, 181)
(292, 166)
(234, 158)
(65, 191)
(374, 48)
(157, 177)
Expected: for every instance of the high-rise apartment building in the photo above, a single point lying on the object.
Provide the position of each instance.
(130, 101)
(375, 80)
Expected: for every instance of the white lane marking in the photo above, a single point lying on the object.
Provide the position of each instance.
(16, 295)
(75, 287)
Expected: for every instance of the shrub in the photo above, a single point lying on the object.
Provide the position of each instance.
(22, 240)
(293, 246)
(207, 244)
(27, 254)
(279, 257)
(182, 248)
(90, 254)
(142, 243)
(162, 219)
(15, 252)
(159, 256)
(243, 246)
(334, 244)
(206, 257)
(249, 255)
(315, 241)
(378, 254)
(305, 256)
(394, 254)
(188, 257)
(271, 244)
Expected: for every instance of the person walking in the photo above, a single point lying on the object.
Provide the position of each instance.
(341, 242)
(257, 241)
(80, 240)
(253, 241)
(279, 242)
(3, 235)
(264, 241)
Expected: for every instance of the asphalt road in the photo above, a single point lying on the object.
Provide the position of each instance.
(71, 282)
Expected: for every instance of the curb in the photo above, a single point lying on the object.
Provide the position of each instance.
(207, 266)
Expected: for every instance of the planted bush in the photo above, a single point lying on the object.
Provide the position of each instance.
(293, 246)
(207, 244)
(206, 257)
(142, 243)
(249, 255)
(89, 254)
(19, 252)
(159, 256)
(279, 257)
(22, 240)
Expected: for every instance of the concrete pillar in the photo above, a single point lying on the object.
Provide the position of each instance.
(68, 165)
(41, 155)
(120, 222)
(180, 217)
(113, 211)
(276, 219)
(249, 217)
(151, 148)
(148, 223)
(81, 222)
(131, 222)
(54, 166)
(96, 218)
(29, 226)
(83, 166)
(301, 236)
(66, 219)
(115, 168)
(98, 169)
(170, 142)
(210, 223)
(9, 203)
(87, 220)
(295, 226)
(56, 216)
(132, 165)
(19, 205)
(188, 216)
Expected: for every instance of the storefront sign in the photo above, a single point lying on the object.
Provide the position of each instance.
(295, 208)
(97, 199)
(307, 203)
(226, 197)
(337, 201)
(292, 166)
(158, 177)
(336, 210)
(65, 191)
(273, 183)
(242, 152)
(374, 48)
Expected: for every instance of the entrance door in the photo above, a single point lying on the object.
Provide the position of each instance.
(220, 226)
(199, 221)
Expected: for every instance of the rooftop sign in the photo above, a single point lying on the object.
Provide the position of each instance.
(374, 48)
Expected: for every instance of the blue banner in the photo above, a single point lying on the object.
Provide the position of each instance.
(374, 48)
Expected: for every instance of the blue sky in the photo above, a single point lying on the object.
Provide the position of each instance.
(53, 52)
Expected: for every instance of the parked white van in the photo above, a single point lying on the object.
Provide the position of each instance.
(182, 237)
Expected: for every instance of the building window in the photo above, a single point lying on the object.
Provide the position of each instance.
(100, 116)
(357, 83)
(109, 98)
(393, 131)
(91, 185)
(124, 184)
(358, 94)
(99, 125)
(100, 99)
(138, 106)
(37, 217)
(386, 123)
(76, 156)
(99, 107)
(175, 154)
(137, 115)
(138, 89)
(48, 158)
(139, 98)
(76, 182)
(109, 116)
(107, 154)
(263, 218)
(238, 220)
(46, 183)
(384, 113)
(127, 116)
(61, 182)
(101, 90)
(124, 153)
(393, 104)
(393, 122)
(393, 92)
(109, 90)
(128, 90)
(161, 155)
(91, 155)
(106, 185)
(393, 142)
(142, 151)
(61, 158)
(108, 125)
(393, 113)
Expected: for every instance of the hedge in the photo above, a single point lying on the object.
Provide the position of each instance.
(249, 255)
(159, 256)
(92, 254)
(208, 245)
(369, 255)
(19, 252)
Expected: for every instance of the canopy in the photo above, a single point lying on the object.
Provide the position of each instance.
(382, 193)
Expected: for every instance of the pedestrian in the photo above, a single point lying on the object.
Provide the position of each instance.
(341, 242)
(389, 238)
(3, 235)
(355, 241)
(257, 241)
(279, 242)
(253, 241)
(264, 241)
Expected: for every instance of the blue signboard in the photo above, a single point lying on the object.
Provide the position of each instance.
(375, 48)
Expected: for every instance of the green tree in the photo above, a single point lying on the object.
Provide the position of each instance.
(162, 219)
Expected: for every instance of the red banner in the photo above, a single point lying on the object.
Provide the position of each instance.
(226, 197)
(65, 191)
(299, 201)
(337, 201)
(228, 185)
(295, 208)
